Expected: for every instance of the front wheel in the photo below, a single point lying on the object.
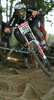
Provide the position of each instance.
(43, 63)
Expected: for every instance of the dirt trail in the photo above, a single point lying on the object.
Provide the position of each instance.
(23, 84)
(31, 84)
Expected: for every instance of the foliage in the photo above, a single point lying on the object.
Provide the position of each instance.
(50, 39)
(47, 5)
(11, 6)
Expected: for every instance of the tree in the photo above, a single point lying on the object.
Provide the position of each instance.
(9, 8)
(28, 2)
(40, 3)
(47, 5)
(0, 21)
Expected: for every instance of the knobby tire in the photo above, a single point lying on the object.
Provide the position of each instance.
(48, 73)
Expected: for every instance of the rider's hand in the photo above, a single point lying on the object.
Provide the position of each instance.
(34, 13)
(7, 30)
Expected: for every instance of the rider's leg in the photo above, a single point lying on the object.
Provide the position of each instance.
(37, 33)
(33, 24)
(19, 36)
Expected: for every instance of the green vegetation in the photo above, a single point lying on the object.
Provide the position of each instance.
(47, 5)
(50, 39)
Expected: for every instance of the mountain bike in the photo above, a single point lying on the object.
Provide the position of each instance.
(35, 48)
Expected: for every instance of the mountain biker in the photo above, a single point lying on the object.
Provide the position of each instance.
(21, 13)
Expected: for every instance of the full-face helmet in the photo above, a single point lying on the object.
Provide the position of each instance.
(20, 10)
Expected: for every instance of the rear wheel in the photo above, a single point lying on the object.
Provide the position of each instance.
(43, 63)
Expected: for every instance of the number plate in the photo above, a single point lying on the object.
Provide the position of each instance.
(24, 28)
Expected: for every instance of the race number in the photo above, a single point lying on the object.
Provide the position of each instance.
(24, 28)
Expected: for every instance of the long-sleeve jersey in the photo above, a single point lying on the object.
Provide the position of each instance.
(15, 19)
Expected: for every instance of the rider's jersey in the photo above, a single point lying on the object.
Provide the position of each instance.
(15, 19)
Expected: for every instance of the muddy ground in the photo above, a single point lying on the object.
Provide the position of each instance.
(23, 84)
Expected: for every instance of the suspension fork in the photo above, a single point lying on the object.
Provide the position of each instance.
(31, 35)
(33, 39)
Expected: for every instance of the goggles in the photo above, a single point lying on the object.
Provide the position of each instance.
(20, 12)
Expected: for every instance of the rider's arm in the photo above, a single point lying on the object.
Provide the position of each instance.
(36, 10)
(10, 24)
(12, 21)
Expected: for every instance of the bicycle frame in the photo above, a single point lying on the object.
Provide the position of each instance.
(30, 35)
